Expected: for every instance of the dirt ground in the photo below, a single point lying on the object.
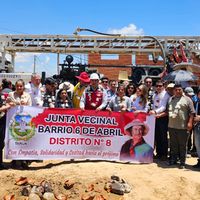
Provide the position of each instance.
(148, 181)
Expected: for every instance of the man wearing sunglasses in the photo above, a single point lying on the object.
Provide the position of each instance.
(160, 99)
(149, 84)
(105, 83)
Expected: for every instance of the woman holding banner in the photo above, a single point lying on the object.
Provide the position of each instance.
(19, 97)
(120, 103)
(139, 101)
(136, 148)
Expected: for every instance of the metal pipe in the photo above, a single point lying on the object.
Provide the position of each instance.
(161, 47)
(154, 38)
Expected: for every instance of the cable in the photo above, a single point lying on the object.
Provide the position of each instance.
(86, 29)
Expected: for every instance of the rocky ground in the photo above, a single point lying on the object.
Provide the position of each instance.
(88, 178)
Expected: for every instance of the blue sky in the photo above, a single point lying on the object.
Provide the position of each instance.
(155, 17)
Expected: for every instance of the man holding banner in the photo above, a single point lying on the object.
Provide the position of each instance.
(94, 97)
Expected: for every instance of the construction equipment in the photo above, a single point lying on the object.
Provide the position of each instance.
(118, 44)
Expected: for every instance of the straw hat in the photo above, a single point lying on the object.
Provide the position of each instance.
(123, 75)
(136, 122)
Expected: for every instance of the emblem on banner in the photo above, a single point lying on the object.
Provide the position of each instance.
(21, 127)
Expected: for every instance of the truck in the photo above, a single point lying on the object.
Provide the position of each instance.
(13, 77)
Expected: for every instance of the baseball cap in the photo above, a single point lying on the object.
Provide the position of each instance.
(189, 91)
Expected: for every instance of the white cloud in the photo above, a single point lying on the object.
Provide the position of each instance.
(131, 29)
(25, 57)
(24, 62)
(47, 60)
(24, 68)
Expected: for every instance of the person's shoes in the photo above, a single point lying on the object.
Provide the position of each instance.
(38, 161)
(163, 158)
(189, 152)
(156, 156)
(24, 165)
(2, 166)
(188, 155)
(194, 154)
(172, 162)
(182, 166)
(197, 166)
(19, 164)
(14, 164)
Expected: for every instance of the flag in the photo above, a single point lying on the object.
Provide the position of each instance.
(176, 56)
(184, 58)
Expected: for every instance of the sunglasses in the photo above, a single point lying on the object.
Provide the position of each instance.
(105, 81)
(159, 85)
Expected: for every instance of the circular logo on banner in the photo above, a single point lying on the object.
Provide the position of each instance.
(21, 127)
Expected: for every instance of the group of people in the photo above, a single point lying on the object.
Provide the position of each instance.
(176, 112)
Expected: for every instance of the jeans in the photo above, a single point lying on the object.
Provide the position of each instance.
(197, 138)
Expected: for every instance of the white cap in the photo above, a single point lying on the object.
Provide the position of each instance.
(94, 76)
(170, 85)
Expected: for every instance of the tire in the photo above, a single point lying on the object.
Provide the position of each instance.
(154, 72)
(137, 75)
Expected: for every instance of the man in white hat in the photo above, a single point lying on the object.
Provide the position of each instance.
(94, 97)
(170, 89)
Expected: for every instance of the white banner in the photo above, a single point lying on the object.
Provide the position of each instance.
(38, 133)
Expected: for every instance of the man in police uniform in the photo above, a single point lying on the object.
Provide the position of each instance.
(94, 97)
